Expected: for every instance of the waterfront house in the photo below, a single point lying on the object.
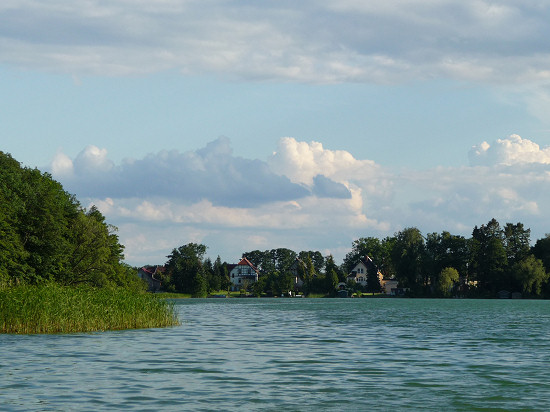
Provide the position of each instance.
(243, 273)
(388, 285)
(151, 274)
(362, 268)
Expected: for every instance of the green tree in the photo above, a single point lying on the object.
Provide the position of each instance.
(541, 250)
(408, 256)
(365, 246)
(516, 242)
(331, 266)
(442, 251)
(259, 287)
(47, 235)
(529, 275)
(331, 282)
(373, 282)
(183, 264)
(316, 258)
(200, 284)
(307, 272)
(447, 279)
(489, 262)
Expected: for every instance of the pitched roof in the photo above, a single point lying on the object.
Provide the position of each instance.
(245, 262)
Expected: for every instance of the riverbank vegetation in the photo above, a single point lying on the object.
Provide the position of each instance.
(495, 258)
(59, 260)
(54, 308)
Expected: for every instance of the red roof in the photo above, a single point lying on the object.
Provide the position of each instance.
(245, 262)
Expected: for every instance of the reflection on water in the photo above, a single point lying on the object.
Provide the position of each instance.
(294, 354)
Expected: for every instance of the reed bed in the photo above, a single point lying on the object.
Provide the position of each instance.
(57, 309)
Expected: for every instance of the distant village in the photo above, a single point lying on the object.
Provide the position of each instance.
(244, 275)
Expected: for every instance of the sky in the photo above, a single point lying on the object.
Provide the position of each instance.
(250, 125)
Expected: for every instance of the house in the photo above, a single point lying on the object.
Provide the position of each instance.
(360, 271)
(243, 273)
(150, 274)
(388, 285)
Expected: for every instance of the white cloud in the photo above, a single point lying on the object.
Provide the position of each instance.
(512, 185)
(62, 165)
(510, 151)
(92, 160)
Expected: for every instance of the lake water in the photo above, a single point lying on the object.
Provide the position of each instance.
(294, 354)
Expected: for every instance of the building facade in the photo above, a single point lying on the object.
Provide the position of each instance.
(243, 274)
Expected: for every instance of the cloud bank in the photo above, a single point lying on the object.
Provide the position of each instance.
(303, 197)
(309, 41)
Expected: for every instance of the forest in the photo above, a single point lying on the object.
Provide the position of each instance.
(46, 235)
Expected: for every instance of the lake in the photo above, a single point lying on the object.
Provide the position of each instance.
(294, 354)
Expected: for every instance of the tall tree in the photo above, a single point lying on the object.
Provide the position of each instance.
(183, 265)
(516, 242)
(316, 257)
(488, 258)
(331, 266)
(407, 256)
(541, 250)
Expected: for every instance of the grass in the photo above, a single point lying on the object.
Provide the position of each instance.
(173, 295)
(57, 309)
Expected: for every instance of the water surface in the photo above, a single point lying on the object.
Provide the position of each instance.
(294, 354)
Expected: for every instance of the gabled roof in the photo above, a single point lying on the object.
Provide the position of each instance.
(368, 262)
(245, 262)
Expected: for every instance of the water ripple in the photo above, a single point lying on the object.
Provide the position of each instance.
(302, 354)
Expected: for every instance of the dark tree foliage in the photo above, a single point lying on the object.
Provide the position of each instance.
(316, 257)
(516, 242)
(365, 246)
(47, 235)
(378, 250)
(373, 282)
(488, 257)
(445, 251)
(185, 267)
(408, 257)
(541, 250)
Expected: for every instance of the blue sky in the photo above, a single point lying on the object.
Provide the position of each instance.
(254, 125)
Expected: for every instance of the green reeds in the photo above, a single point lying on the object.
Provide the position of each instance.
(57, 309)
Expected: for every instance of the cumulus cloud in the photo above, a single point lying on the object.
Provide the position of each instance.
(212, 173)
(313, 41)
(304, 197)
(510, 151)
(304, 162)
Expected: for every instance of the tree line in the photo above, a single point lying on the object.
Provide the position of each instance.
(46, 235)
(493, 259)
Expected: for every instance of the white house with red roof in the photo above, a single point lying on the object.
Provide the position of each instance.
(243, 273)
